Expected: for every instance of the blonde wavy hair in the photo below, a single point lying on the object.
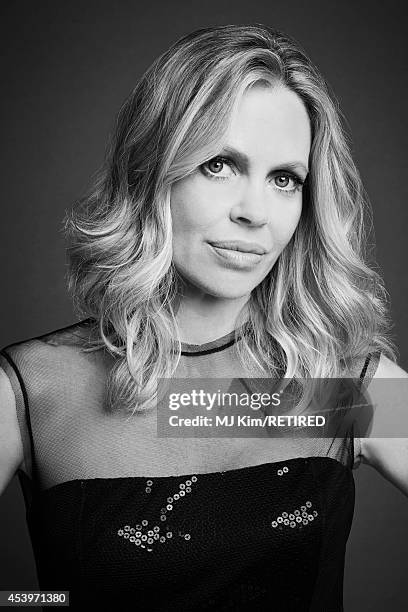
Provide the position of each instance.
(319, 309)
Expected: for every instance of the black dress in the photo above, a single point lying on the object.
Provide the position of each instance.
(268, 535)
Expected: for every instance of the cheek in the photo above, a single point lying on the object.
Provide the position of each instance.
(285, 223)
(193, 208)
(180, 208)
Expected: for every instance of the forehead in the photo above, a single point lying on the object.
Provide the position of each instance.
(270, 122)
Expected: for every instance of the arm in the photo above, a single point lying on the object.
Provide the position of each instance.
(389, 456)
(11, 447)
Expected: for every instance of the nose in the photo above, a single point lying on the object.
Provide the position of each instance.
(250, 205)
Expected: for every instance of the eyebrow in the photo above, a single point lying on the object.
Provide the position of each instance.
(244, 162)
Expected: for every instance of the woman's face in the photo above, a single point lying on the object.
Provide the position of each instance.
(235, 214)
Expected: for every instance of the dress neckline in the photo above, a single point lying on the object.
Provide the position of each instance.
(216, 345)
(244, 471)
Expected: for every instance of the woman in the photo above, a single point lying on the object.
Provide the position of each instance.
(223, 237)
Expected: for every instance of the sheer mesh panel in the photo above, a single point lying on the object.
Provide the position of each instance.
(69, 434)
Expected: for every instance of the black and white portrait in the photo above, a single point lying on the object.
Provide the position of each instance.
(203, 242)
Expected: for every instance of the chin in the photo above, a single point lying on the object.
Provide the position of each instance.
(231, 294)
(225, 289)
(227, 285)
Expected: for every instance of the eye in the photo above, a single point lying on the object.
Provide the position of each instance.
(218, 167)
(287, 182)
(215, 165)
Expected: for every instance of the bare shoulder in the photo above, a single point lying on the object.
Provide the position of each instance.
(11, 448)
(383, 450)
(388, 369)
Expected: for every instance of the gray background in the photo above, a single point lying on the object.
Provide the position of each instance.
(67, 67)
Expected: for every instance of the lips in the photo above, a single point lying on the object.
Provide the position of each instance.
(240, 245)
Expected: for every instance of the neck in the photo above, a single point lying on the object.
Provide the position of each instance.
(203, 318)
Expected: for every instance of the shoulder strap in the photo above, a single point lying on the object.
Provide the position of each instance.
(369, 368)
(365, 415)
